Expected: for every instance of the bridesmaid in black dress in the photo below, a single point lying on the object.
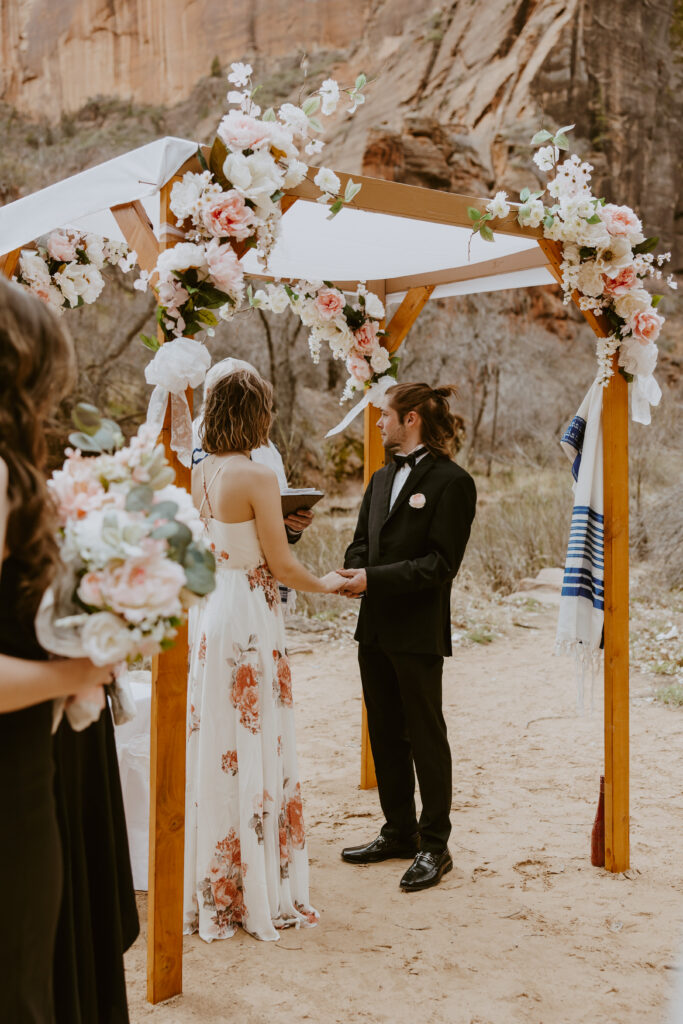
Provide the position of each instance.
(64, 867)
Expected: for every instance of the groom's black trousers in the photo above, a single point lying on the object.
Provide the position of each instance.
(406, 725)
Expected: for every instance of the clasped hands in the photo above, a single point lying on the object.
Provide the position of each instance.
(356, 582)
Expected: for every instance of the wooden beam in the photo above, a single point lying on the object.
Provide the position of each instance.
(406, 315)
(167, 768)
(8, 263)
(528, 259)
(616, 625)
(137, 230)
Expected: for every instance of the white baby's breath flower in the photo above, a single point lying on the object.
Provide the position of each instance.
(295, 173)
(314, 146)
(498, 206)
(672, 282)
(327, 181)
(329, 95)
(140, 284)
(535, 211)
(546, 157)
(240, 74)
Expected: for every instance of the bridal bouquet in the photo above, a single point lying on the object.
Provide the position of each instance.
(132, 549)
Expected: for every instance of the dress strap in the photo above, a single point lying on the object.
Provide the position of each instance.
(205, 497)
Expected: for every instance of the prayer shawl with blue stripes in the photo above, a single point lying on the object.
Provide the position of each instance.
(582, 602)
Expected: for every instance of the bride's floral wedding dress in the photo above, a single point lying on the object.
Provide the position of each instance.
(245, 850)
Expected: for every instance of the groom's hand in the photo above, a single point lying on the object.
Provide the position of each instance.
(357, 582)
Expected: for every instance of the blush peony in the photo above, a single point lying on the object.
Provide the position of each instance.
(144, 587)
(625, 281)
(621, 221)
(224, 267)
(240, 131)
(646, 325)
(366, 337)
(229, 216)
(61, 247)
(358, 367)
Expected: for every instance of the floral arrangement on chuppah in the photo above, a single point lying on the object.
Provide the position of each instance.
(234, 204)
(65, 269)
(132, 547)
(606, 258)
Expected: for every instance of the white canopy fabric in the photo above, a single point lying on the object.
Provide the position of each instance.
(357, 245)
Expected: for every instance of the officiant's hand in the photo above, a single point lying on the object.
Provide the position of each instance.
(356, 582)
(299, 520)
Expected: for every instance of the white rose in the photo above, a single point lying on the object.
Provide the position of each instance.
(327, 181)
(374, 306)
(633, 302)
(499, 206)
(265, 177)
(186, 194)
(380, 360)
(236, 170)
(295, 173)
(329, 95)
(181, 257)
(637, 358)
(106, 639)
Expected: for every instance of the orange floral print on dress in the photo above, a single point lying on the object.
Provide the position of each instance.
(295, 819)
(245, 697)
(261, 578)
(201, 653)
(282, 681)
(229, 762)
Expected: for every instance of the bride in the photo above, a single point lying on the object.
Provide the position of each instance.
(245, 851)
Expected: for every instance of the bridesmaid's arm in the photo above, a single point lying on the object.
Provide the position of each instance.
(23, 682)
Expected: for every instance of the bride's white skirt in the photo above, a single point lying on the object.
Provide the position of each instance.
(245, 851)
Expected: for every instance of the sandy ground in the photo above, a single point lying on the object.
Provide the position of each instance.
(523, 930)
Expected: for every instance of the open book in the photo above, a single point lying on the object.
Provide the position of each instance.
(299, 497)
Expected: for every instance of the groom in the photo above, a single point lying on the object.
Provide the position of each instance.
(412, 531)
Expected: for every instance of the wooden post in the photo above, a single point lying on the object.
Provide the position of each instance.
(373, 451)
(616, 627)
(9, 263)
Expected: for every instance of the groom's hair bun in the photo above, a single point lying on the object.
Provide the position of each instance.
(238, 413)
(442, 431)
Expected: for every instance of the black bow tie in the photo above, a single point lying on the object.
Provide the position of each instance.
(408, 460)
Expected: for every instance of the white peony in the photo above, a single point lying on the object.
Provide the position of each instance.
(256, 176)
(181, 257)
(329, 95)
(327, 181)
(186, 195)
(546, 157)
(590, 280)
(499, 207)
(106, 639)
(374, 306)
(34, 268)
(94, 247)
(80, 280)
(636, 301)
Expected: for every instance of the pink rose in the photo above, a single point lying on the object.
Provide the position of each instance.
(61, 247)
(224, 267)
(230, 216)
(145, 586)
(366, 337)
(75, 490)
(646, 326)
(329, 303)
(358, 367)
(621, 220)
(625, 280)
(90, 591)
(240, 131)
(417, 501)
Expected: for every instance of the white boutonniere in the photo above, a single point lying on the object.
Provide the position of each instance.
(417, 501)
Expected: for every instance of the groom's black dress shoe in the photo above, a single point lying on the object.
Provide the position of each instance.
(426, 870)
(380, 849)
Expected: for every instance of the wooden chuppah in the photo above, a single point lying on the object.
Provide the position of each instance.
(168, 715)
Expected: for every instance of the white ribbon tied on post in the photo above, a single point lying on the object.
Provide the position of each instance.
(178, 365)
(372, 396)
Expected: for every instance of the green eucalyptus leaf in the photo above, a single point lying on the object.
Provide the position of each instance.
(315, 124)
(351, 191)
(548, 220)
(473, 213)
(269, 115)
(84, 442)
(486, 233)
(524, 194)
(523, 212)
(86, 417)
(277, 196)
(561, 141)
(177, 536)
(310, 105)
(335, 208)
(595, 219)
(163, 510)
(200, 580)
(139, 498)
(565, 128)
(163, 478)
(542, 136)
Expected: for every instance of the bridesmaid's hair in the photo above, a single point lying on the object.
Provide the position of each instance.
(37, 369)
(442, 431)
(238, 414)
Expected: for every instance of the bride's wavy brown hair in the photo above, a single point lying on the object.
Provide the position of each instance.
(37, 368)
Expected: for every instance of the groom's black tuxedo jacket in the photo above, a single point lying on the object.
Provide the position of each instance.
(412, 555)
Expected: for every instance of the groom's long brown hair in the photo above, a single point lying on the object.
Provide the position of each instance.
(442, 431)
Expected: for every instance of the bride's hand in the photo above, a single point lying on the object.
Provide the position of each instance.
(332, 582)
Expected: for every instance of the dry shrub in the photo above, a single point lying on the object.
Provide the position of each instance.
(519, 531)
(664, 524)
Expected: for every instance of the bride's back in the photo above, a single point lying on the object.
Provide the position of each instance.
(224, 487)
